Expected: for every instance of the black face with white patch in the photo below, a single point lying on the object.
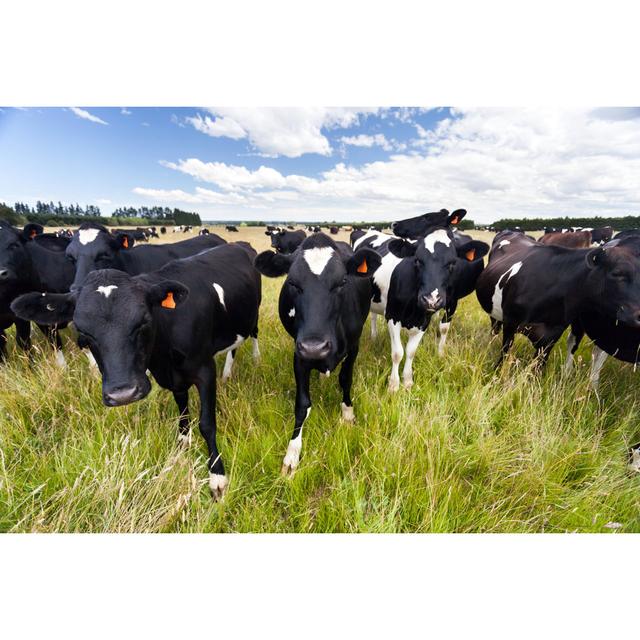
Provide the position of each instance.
(113, 314)
(93, 247)
(419, 226)
(320, 276)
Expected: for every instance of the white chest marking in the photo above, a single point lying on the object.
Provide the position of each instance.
(440, 235)
(496, 299)
(292, 313)
(318, 258)
(87, 235)
(106, 291)
(220, 292)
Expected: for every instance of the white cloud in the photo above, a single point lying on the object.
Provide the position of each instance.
(494, 162)
(125, 112)
(289, 132)
(85, 115)
(363, 140)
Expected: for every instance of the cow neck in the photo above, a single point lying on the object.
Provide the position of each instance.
(571, 265)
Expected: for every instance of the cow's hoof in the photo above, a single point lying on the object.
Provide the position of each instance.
(218, 485)
(394, 385)
(347, 413)
(288, 470)
(407, 384)
(184, 439)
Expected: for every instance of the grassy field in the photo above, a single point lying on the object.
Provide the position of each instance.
(464, 451)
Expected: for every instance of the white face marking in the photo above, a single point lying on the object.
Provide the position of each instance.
(433, 297)
(87, 235)
(220, 292)
(106, 291)
(502, 243)
(440, 235)
(496, 299)
(318, 258)
(292, 312)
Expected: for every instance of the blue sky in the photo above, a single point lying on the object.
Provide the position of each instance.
(325, 163)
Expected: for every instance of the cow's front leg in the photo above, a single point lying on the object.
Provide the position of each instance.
(346, 378)
(443, 326)
(53, 337)
(573, 342)
(228, 365)
(374, 325)
(396, 354)
(302, 410)
(598, 357)
(415, 335)
(184, 433)
(206, 384)
(23, 334)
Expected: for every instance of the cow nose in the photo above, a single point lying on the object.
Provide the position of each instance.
(314, 349)
(4, 274)
(121, 395)
(431, 301)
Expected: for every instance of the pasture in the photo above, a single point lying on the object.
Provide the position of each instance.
(466, 450)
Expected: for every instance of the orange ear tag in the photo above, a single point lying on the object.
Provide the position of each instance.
(169, 302)
(363, 267)
(471, 254)
(33, 233)
(455, 220)
(125, 242)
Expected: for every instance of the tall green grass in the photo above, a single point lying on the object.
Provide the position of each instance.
(466, 450)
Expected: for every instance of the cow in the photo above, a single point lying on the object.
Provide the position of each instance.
(171, 322)
(333, 230)
(323, 306)
(231, 228)
(93, 247)
(419, 277)
(286, 241)
(570, 239)
(625, 233)
(601, 235)
(539, 290)
(29, 264)
(203, 232)
(163, 230)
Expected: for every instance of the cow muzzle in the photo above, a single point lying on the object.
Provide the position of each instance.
(431, 302)
(124, 395)
(313, 349)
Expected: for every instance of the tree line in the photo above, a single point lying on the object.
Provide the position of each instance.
(537, 224)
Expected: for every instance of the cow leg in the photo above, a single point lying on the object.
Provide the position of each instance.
(228, 364)
(302, 410)
(206, 384)
(53, 337)
(396, 354)
(184, 433)
(443, 326)
(508, 334)
(23, 334)
(415, 335)
(256, 348)
(374, 325)
(346, 378)
(598, 357)
(496, 325)
(573, 342)
(3, 345)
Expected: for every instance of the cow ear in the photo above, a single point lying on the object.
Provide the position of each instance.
(125, 240)
(402, 248)
(168, 294)
(596, 258)
(455, 217)
(45, 308)
(363, 263)
(32, 230)
(473, 250)
(272, 264)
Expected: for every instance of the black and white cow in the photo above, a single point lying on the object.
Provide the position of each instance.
(171, 322)
(93, 247)
(539, 290)
(286, 241)
(203, 232)
(323, 306)
(231, 228)
(417, 278)
(28, 263)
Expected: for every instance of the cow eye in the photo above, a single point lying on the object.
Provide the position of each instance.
(451, 266)
(13, 245)
(339, 285)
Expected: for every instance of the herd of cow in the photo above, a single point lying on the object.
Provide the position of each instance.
(168, 309)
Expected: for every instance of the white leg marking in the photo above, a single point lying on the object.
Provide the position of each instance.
(256, 349)
(444, 330)
(415, 335)
(396, 355)
(60, 361)
(571, 343)
(292, 457)
(218, 484)
(228, 364)
(598, 356)
(634, 463)
(374, 325)
(184, 439)
(347, 413)
(92, 361)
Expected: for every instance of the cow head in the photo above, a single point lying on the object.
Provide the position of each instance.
(15, 262)
(114, 316)
(435, 261)
(92, 247)
(614, 281)
(420, 225)
(319, 275)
